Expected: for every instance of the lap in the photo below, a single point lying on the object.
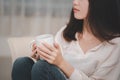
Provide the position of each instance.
(38, 68)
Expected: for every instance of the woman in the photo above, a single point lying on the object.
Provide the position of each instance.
(88, 48)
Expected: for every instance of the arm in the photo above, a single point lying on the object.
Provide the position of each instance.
(103, 73)
(66, 68)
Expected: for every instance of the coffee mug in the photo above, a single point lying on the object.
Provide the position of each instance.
(48, 38)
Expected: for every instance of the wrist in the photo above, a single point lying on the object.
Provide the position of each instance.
(61, 64)
(66, 68)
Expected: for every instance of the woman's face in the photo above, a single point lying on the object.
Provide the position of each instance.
(80, 8)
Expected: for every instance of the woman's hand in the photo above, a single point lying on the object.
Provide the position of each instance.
(52, 54)
(34, 52)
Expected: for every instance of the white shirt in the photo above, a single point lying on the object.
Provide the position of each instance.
(99, 63)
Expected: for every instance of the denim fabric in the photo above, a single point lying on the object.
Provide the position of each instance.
(25, 69)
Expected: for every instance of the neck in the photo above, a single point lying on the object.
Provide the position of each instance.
(86, 26)
(87, 34)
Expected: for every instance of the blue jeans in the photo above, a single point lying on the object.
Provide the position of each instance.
(26, 69)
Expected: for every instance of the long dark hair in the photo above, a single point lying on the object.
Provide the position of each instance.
(103, 18)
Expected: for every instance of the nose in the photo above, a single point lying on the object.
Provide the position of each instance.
(75, 2)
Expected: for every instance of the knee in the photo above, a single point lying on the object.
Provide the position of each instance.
(43, 66)
(22, 62)
(43, 70)
(22, 68)
(40, 65)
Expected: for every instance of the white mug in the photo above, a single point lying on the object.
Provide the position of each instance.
(48, 38)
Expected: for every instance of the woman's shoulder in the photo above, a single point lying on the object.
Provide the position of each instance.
(116, 41)
(59, 36)
(60, 31)
(116, 45)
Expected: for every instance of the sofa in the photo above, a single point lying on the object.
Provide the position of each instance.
(19, 46)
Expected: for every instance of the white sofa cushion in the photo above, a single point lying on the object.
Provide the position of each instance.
(19, 46)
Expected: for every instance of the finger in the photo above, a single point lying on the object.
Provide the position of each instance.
(34, 47)
(34, 44)
(33, 53)
(56, 45)
(37, 56)
(45, 55)
(44, 49)
(50, 47)
(46, 59)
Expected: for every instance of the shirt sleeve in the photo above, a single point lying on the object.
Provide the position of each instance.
(109, 70)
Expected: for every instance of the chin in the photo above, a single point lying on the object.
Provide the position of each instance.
(78, 17)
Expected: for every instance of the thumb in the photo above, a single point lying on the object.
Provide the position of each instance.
(56, 45)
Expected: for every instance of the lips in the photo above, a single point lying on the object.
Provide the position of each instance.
(75, 10)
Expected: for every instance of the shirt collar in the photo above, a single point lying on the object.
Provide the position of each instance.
(76, 36)
(93, 49)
